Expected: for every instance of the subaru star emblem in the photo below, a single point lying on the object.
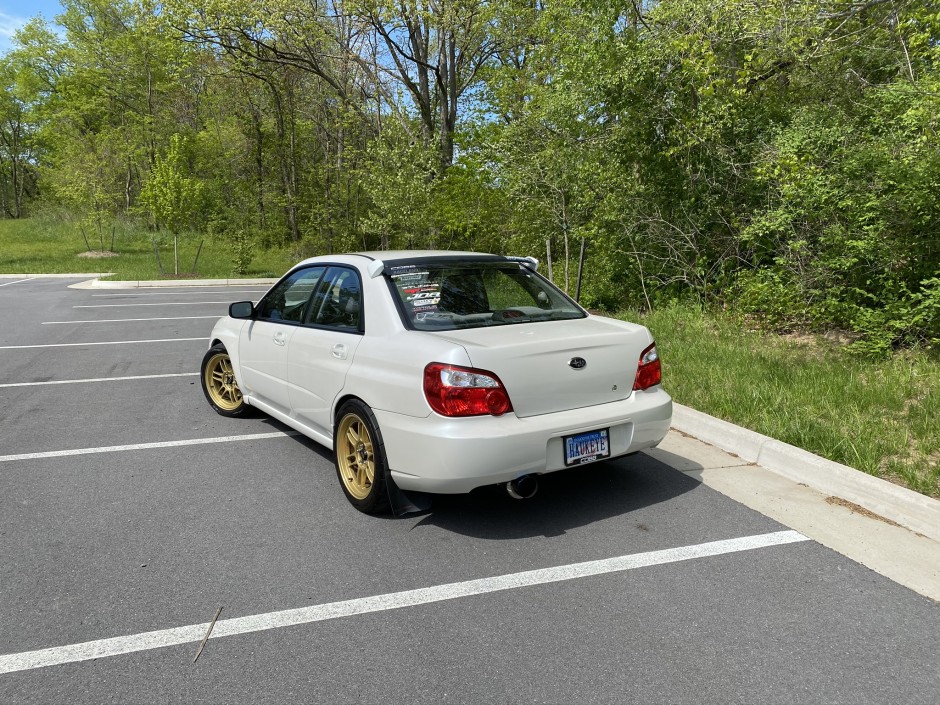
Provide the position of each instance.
(577, 363)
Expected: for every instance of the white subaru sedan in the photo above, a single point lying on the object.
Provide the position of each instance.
(438, 372)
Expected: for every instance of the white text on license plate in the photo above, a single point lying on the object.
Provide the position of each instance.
(587, 447)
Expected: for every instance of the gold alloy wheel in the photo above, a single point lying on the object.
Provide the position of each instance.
(354, 456)
(220, 382)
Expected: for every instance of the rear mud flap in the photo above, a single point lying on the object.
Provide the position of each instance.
(404, 503)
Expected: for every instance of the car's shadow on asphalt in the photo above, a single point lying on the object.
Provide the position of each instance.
(565, 500)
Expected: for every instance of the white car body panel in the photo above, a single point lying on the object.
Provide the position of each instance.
(532, 361)
(303, 382)
(311, 395)
(262, 355)
(451, 456)
(389, 371)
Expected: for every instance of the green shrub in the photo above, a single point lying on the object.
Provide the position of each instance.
(243, 251)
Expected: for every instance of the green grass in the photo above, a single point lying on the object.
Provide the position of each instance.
(881, 417)
(53, 245)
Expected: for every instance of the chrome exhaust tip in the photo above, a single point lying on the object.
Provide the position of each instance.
(523, 487)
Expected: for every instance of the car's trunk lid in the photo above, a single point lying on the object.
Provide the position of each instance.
(537, 361)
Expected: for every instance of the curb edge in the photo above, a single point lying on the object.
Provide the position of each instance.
(910, 509)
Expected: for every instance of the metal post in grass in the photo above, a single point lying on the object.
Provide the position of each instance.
(156, 252)
(196, 261)
(84, 237)
(577, 292)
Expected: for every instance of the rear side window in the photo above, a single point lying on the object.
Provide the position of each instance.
(446, 296)
(288, 299)
(337, 302)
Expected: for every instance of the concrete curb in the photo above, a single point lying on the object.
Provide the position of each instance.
(910, 509)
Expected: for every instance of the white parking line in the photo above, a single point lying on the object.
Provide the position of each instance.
(187, 293)
(18, 281)
(164, 303)
(98, 379)
(145, 446)
(129, 320)
(409, 598)
(106, 342)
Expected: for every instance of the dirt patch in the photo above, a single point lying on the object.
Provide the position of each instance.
(97, 254)
(808, 339)
(837, 338)
(857, 509)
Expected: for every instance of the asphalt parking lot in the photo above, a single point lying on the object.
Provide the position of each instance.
(130, 513)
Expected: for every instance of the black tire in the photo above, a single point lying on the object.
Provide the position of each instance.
(361, 466)
(219, 384)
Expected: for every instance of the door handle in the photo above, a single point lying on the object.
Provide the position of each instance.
(339, 351)
(279, 338)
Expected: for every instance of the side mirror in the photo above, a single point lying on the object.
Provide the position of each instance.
(241, 309)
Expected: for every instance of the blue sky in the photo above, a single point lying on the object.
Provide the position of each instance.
(15, 13)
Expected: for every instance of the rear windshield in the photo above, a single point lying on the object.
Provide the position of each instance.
(446, 296)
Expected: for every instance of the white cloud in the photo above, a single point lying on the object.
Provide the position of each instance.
(8, 25)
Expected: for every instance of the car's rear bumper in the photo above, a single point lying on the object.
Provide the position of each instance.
(451, 456)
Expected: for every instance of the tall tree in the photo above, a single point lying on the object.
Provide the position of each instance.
(17, 142)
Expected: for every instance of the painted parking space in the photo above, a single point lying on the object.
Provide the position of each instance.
(130, 320)
(99, 450)
(95, 343)
(117, 646)
(144, 538)
(26, 365)
(94, 380)
(153, 295)
(618, 638)
(162, 303)
(38, 301)
(112, 412)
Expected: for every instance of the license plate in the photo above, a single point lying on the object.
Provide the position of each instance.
(587, 447)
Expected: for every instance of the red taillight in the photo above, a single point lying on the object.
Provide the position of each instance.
(648, 371)
(464, 391)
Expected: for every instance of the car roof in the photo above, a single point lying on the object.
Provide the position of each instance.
(400, 258)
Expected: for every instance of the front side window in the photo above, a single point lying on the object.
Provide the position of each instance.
(288, 299)
(442, 296)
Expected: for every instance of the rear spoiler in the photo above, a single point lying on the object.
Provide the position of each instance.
(528, 262)
(377, 267)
